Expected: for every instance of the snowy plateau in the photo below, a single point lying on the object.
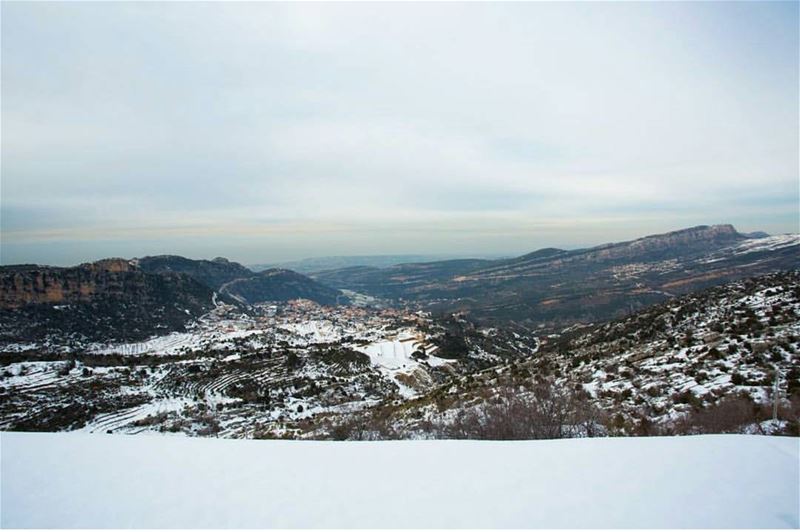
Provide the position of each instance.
(89, 481)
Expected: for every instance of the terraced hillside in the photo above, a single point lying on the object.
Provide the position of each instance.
(706, 362)
(109, 347)
(268, 373)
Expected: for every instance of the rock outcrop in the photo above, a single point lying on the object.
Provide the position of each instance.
(24, 285)
(107, 299)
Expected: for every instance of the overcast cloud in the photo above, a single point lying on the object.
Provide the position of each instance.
(271, 131)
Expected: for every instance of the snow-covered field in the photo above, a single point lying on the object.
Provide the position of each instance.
(84, 480)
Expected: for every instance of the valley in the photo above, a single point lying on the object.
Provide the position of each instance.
(554, 288)
(669, 334)
(263, 373)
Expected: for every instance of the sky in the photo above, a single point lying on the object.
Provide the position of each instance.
(266, 132)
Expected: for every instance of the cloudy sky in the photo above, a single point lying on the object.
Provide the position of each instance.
(271, 131)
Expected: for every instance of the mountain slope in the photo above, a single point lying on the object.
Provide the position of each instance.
(400, 281)
(244, 285)
(281, 285)
(122, 300)
(319, 264)
(108, 299)
(704, 362)
(554, 288)
(212, 273)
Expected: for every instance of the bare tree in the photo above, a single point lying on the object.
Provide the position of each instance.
(544, 412)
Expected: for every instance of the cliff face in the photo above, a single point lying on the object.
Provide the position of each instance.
(107, 299)
(45, 284)
(121, 299)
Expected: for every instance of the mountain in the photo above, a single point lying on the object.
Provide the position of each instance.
(118, 299)
(319, 264)
(555, 288)
(397, 282)
(701, 363)
(756, 234)
(547, 289)
(281, 285)
(212, 273)
(107, 299)
(243, 284)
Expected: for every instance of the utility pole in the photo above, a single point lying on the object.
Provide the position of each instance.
(775, 396)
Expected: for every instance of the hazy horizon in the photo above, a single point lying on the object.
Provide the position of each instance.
(416, 256)
(272, 132)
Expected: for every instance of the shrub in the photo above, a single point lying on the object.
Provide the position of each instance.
(64, 370)
(546, 412)
(653, 391)
(688, 398)
(730, 415)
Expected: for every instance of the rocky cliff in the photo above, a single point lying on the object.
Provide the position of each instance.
(30, 284)
(108, 299)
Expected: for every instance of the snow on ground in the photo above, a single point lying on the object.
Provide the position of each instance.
(18, 348)
(214, 335)
(88, 481)
(753, 245)
(165, 345)
(391, 353)
(122, 418)
(392, 356)
(314, 331)
(768, 243)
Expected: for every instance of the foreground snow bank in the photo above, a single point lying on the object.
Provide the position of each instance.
(83, 480)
